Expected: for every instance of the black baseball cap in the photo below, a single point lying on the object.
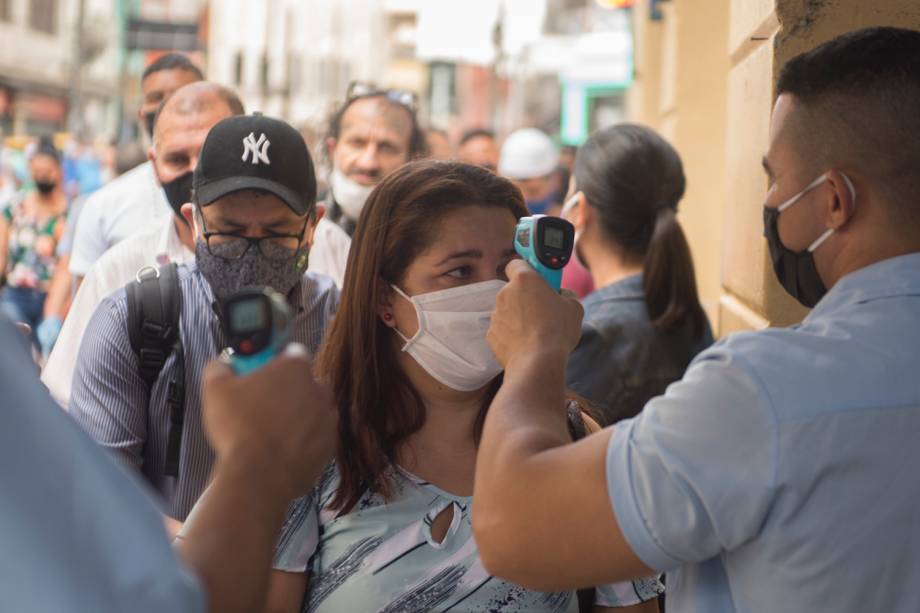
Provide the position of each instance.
(255, 152)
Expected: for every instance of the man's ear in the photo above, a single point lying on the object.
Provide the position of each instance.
(330, 144)
(843, 206)
(317, 214)
(582, 212)
(188, 213)
(151, 156)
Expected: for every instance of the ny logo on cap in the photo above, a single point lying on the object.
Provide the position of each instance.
(258, 148)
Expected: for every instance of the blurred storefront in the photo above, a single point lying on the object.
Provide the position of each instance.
(47, 58)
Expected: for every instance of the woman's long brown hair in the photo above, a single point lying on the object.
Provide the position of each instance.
(378, 407)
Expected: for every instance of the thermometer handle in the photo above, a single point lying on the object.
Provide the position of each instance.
(245, 364)
(553, 276)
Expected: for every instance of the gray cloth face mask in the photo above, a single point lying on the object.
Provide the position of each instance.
(227, 277)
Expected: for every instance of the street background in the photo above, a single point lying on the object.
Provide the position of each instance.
(699, 71)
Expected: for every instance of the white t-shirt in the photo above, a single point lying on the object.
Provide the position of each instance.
(118, 266)
(132, 203)
(329, 252)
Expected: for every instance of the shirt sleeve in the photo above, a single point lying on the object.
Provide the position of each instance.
(65, 245)
(89, 239)
(693, 475)
(108, 396)
(628, 593)
(299, 535)
(59, 369)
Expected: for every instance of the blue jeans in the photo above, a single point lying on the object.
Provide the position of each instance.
(23, 304)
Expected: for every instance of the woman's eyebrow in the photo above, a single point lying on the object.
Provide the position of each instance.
(469, 253)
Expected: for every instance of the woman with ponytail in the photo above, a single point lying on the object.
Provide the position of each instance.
(644, 322)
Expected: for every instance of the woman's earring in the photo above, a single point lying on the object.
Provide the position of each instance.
(387, 317)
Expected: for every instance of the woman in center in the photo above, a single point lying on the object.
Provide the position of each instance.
(387, 528)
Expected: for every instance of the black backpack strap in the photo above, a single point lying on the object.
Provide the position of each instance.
(153, 330)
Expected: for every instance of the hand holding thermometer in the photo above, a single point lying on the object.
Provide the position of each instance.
(546, 243)
(257, 322)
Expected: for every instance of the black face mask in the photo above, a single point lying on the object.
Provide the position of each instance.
(178, 192)
(795, 271)
(149, 119)
(45, 187)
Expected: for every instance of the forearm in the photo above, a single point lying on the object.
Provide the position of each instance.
(229, 539)
(528, 413)
(538, 498)
(526, 417)
(59, 290)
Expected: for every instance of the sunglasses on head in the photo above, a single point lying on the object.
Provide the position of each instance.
(359, 89)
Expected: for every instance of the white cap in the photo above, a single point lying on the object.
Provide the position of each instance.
(527, 153)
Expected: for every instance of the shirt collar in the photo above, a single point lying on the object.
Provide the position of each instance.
(898, 276)
(628, 288)
(169, 247)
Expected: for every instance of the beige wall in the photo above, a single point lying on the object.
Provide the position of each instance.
(704, 79)
(680, 90)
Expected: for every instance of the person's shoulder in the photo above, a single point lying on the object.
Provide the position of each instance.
(318, 287)
(756, 347)
(119, 188)
(332, 234)
(125, 253)
(766, 359)
(616, 318)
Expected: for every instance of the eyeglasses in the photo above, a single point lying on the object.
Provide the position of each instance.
(233, 245)
(360, 89)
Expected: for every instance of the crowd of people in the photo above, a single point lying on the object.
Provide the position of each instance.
(445, 432)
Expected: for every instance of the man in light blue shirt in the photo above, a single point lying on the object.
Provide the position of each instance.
(77, 533)
(780, 473)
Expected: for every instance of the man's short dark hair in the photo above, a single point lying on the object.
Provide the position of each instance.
(860, 100)
(418, 146)
(172, 61)
(476, 133)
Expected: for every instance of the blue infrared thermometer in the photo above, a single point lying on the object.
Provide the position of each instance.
(546, 244)
(257, 323)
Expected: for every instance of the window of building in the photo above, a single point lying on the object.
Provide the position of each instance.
(43, 15)
(6, 11)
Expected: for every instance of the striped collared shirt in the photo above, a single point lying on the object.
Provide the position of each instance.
(111, 401)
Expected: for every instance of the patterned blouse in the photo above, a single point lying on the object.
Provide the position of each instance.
(382, 557)
(32, 246)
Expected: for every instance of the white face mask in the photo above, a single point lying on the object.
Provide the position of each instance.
(451, 340)
(350, 195)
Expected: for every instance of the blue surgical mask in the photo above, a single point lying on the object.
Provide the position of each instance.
(539, 207)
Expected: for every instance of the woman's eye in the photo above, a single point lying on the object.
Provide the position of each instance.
(460, 272)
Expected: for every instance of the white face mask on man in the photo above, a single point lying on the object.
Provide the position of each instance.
(451, 340)
(348, 194)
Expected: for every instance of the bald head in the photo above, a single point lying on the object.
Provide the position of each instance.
(199, 98)
(183, 122)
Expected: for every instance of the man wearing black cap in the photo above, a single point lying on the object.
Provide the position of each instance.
(254, 213)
